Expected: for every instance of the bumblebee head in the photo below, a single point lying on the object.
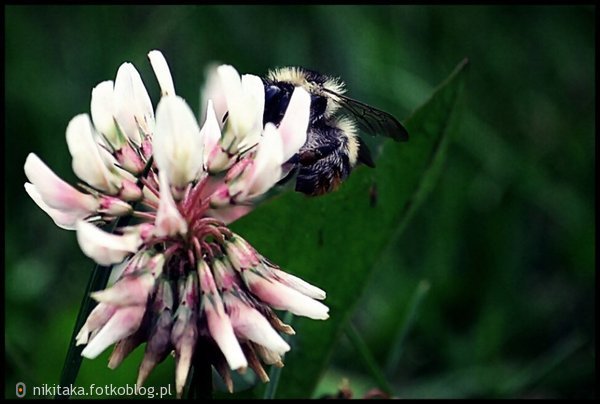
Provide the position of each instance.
(314, 83)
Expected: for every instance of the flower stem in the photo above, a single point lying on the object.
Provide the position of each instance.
(275, 372)
(98, 281)
(201, 385)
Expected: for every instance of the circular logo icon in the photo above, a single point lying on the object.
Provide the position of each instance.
(20, 389)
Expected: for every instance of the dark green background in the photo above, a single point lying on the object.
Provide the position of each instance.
(505, 240)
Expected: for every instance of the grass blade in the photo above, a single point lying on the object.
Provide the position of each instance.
(406, 326)
(367, 358)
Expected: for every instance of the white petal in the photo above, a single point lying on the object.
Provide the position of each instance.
(87, 161)
(210, 132)
(250, 324)
(169, 221)
(294, 124)
(300, 285)
(185, 355)
(97, 318)
(103, 247)
(178, 145)
(231, 84)
(124, 322)
(101, 108)
(242, 126)
(218, 322)
(64, 220)
(221, 330)
(162, 72)
(213, 90)
(266, 170)
(254, 103)
(282, 297)
(132, 105)
(129, 291)
(55, 192)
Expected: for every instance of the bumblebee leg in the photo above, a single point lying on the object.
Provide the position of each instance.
(310, 156)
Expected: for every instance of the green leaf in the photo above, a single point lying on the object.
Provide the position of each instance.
(335, 240)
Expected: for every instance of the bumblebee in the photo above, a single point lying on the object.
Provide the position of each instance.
(333, 147)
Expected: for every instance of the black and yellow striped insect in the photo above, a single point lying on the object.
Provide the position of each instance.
(333, 147)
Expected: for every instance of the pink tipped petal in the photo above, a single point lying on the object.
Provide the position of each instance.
(184, 361)
(114, 206)
(294, 124)
(219, 324)
(207, 283)
(282, 297)
(169, 221)
(97, 318)
(225, 276)
(101, 108)
(63, 220)
(240, 254)
(129, 191)
(248, 323)
(184, 335)
(103, 247)
(150, 196)
(129, 158)
(132, 104)
(162, 72)
(55, 192)
(131, 290)
(87, 161)
(124, 322)
(155, 265)
(178, 145)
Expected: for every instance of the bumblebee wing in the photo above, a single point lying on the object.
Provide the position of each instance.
(370, 119)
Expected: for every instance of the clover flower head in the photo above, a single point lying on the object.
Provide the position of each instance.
(172, 186)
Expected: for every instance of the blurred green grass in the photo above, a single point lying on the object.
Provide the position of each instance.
(505, 240)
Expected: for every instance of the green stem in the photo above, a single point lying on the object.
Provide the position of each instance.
(275, 372)
(368, 359)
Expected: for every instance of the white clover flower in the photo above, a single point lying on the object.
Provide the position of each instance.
(183, 277)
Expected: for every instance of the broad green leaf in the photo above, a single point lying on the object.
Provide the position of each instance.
(335, 240)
